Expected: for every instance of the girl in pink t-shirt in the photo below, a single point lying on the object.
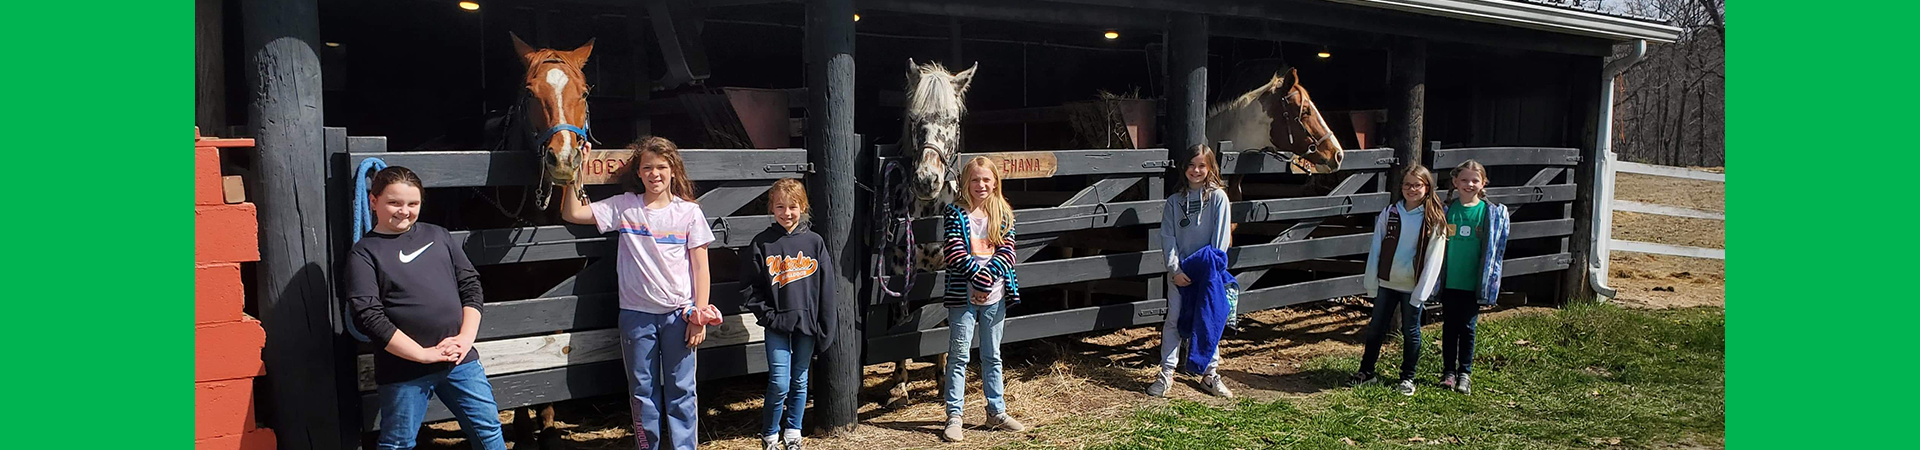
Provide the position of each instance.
(663, 277)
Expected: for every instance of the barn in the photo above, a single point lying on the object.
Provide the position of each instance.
(1090, 101)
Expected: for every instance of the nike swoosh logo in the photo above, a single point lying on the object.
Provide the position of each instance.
(407, 258)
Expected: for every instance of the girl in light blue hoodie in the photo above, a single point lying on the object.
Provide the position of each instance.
(1193, 220)
(1403, 267)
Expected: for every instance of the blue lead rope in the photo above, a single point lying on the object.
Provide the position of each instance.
(362, 222)
(362, 206)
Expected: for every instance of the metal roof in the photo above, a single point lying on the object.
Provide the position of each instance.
(1535, 14)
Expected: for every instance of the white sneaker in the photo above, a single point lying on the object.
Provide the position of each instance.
(1404, 388)
(1159, 387)
(953, 432)
(772, 442)
(1216, 386)
(1004, 421)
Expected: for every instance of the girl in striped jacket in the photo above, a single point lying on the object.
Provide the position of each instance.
(980, 287)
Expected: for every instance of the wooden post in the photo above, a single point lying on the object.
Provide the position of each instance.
(1186, 111)
(1580, 246)
(1186, 87)
(831, 147)
(209, 66)
(307, 376)
(1408, 77)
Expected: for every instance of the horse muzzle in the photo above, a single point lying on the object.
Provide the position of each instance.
(563, 170)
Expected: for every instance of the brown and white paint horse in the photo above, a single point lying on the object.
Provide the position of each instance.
(556, 107)
(1278, 119)
(936, 100)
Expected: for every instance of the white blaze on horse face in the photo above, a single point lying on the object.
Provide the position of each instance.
(558, 80)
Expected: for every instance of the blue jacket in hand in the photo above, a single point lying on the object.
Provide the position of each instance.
(1203, 306)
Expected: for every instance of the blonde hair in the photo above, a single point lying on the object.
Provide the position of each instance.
(1434, 220)
(792, 190)
(999, 213)
(1212, 179)
(1470, 166)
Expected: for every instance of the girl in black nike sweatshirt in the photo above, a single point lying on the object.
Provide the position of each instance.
(415, 294)
(788, 284)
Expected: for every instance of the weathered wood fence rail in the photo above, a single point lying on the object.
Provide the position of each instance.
(1663, 210)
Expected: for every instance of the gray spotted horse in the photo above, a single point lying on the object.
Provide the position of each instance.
(930, 146)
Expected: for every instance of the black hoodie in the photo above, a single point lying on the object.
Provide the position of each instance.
(788, 283)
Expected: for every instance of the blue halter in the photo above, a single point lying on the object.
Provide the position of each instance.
(548, 135)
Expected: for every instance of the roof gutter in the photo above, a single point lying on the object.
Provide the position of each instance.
(1603, 172)
(1529, 15)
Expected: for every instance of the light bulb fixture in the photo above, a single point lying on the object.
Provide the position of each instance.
(856, 17)
(470, 6)
(1111, 35)
(1324, 53)
(333, 44)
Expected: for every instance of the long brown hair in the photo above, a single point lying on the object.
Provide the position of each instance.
(999, 213)
(1433, 219)
(680, 186)
(1470, 166)
(1212, 179)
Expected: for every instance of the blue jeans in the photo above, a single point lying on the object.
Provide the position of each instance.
(465, 391)
(660, 379)
(788, 357)
(963, 323)
(1376, 334)
(1459, 315)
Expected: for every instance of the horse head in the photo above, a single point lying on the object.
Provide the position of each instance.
(935, 101)
(1278, 117)
(557, 108)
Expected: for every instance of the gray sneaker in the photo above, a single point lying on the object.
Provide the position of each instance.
(1004, 421)
(1216, 386)
(952, 433)
(1361, 378)
(1159, 386)
(1404, 388)
(1448, 380)
(1463, 384)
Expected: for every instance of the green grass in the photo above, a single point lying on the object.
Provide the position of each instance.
(1589, 376)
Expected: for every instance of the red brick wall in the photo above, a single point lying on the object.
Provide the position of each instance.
(226, 341)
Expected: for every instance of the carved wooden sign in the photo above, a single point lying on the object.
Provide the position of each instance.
(1021, 165)
(601, 166)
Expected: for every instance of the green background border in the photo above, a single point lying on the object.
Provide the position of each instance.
(1820, 101)
(98, 236)
(1820, 96)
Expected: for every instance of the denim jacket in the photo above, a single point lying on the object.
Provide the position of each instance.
(1491, 257)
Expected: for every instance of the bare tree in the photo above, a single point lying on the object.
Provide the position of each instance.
(1671, 108)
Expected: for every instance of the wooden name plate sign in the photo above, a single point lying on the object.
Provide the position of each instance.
(1021, 165)
(601, 166)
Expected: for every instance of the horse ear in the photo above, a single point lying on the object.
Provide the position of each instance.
(578, 56)
(520, 47)
(963, 79)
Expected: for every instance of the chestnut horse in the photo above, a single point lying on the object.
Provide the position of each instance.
(556, 104)
(1277, 119)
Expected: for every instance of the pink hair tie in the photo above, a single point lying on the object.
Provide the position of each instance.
(705, 315)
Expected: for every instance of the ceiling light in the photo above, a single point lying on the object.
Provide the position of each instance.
(856, 17)
(1111, 35)
(333, 44)
(470, 6)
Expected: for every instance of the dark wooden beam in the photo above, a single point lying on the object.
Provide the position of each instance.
(1408, 77)
(1026, 11)
(1186, 88)
(309, 400)
(832, 147)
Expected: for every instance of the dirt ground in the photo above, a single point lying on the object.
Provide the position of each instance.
(1670, 230)
(1681, 192)
(1102, 375)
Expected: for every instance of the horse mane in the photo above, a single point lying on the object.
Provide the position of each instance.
(931, 97)
(1247, 99)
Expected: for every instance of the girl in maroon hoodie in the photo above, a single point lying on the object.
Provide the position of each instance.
(788, 285)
